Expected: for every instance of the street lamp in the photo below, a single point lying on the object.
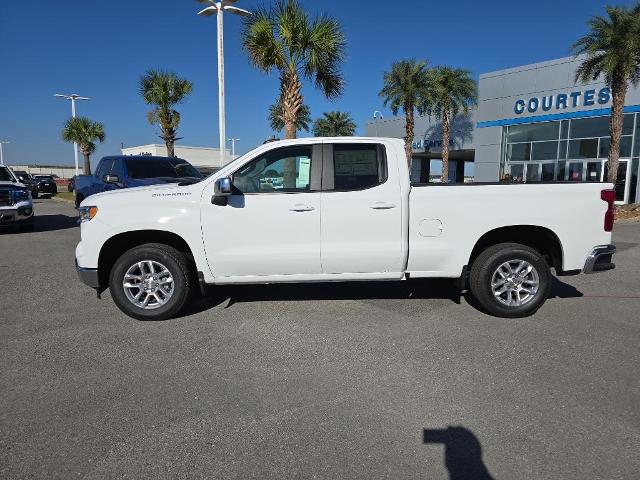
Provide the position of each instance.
(73, 97)
(233, 146)
(377, 114)
(218, 7)
(1, 155)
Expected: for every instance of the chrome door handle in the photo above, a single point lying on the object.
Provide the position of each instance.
(383, 206)
(299, 207)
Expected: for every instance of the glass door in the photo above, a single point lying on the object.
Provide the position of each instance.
(622, 185)
(575, 171)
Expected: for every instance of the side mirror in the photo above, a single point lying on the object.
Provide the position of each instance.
(221, 191)
(111, 179)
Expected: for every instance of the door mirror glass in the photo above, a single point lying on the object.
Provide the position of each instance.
(222, 187)
(221, 191)
(111, 179)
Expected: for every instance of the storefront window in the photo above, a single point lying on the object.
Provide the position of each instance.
(625, 147)
(575, 150)
(585, 148)
(519, 152)
(533, 132)
(544, 151)
(589, 127)
(548, 172)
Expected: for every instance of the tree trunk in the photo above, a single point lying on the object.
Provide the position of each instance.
(618, 92)
(446, 133)
(170, 148)
(87, 164)
(408, 137)
(290, 93)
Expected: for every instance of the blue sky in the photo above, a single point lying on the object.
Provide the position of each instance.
(100, 49)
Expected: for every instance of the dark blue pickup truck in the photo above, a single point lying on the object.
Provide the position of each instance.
(134, 171)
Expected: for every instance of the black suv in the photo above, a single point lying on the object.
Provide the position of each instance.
(46, 184)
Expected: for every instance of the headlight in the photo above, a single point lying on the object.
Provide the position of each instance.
(87, 213)
(21, 195)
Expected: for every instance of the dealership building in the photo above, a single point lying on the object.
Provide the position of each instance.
(532, 124)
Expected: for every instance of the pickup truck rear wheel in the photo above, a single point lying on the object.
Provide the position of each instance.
(151, 282)
(510, 280)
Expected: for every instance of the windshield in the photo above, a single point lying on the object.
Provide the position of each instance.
(187, 170)
(6, 175)
(157, 168)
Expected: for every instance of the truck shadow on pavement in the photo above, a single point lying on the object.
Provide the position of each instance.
(462, 452)
(48, 223)
(405, 290)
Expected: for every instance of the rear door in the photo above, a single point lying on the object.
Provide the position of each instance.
(361, 210)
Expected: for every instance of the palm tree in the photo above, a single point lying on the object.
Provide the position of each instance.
(612, 48)
(450, 91)
(276, 117)
(334, 124)
(284, 38)
(85, 133)
(405, 87)
(164, 90)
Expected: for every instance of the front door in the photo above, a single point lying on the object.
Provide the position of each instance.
(271, 225)
(361, 211)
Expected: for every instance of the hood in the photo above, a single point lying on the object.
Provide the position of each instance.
(12, 184)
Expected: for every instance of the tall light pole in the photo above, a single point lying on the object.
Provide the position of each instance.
(233, 146)
(218, 7)
(377, 114)
(1, 154)
(73, 97)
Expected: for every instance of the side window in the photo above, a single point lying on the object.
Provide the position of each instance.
(357, 167)
(117, 168)
(103, 168)
(283, 170)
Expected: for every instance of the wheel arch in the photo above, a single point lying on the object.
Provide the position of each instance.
(115, 246)
(537, 237)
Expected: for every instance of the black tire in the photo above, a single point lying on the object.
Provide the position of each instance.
(178, 265)
(79, 199)
(482, 271)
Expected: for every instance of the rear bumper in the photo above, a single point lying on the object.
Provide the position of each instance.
(88, 276)
(599, 260)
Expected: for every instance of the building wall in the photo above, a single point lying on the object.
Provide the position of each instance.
(529, 94)
(427, 132)
(196, 156)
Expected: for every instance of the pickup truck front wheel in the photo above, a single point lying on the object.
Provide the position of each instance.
(151, 282)
(510, 280)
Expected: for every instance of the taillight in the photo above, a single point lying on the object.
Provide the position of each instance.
(608, 196)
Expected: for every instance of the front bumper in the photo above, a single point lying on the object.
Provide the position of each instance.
(21, 212)
(599, 260)
(88, 276)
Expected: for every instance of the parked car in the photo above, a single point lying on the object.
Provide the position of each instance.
(117, 172)
(26, 179)
(46, 184)
(16, 208)
(345, 210)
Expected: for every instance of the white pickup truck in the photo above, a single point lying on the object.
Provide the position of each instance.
(339, 209)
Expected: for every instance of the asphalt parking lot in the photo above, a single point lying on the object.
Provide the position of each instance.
(319, 381)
